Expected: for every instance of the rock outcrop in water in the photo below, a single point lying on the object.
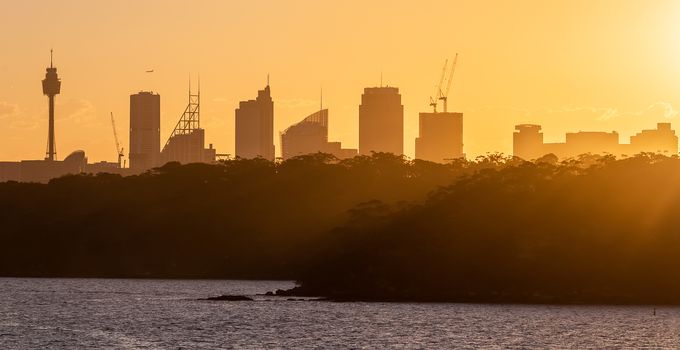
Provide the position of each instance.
(227, 297)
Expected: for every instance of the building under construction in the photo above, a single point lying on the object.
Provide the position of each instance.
(440, 137)
(440, 134)
(187, 141)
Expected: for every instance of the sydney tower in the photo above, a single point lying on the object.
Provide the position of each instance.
(51, 87)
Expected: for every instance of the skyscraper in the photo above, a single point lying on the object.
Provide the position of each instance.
(255, 127)
(440, 136)
(311, 136)
(145, 130)
(381, 121)
(308, 136)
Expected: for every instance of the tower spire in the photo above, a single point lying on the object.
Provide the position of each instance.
(321, 98)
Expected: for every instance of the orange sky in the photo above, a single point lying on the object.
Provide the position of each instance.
(568, 65)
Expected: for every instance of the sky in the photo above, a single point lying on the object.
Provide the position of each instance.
(591, 65)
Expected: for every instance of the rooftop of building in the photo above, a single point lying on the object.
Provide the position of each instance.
(381, 90)
(316, 119)
(527, 127)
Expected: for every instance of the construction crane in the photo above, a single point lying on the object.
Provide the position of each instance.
(119, 150)
(444, 96)
(434, 100)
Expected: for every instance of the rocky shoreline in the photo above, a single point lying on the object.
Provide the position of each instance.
(474, 298)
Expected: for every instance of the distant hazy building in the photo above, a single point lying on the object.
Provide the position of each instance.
(311, 136)
(381, 121)
(188, 148)
(528, 143)
(255, 127)
(42, 170)
(335, 148)
(10, 171)
(440, 137)
(662, 140)
(105, 167)
(145, 131)
(582, 142)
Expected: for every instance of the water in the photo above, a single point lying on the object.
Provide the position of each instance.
(164, 314)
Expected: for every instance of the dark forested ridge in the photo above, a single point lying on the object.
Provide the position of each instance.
(240, 218)
(594, 229)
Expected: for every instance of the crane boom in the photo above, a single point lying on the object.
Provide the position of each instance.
(119, 150)
(438, 91)
(445, 95)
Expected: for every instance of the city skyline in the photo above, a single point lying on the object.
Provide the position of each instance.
(381, 123)
(379, 174)
(381, 132)
(494, 87)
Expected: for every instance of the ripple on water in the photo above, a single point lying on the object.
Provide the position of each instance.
(161, 314)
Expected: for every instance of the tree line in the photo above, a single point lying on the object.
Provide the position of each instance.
(496, 228)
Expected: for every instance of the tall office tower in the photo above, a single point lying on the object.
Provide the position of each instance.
(306, 137)
(527, 142)
(255, 127)
(311, 136)
(51, 87)
(145, 130)
(440, 137)
(381, 121)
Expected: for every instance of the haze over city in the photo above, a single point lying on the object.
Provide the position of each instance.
(568, 66)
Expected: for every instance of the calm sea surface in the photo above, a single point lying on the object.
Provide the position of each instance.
(165, 314)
